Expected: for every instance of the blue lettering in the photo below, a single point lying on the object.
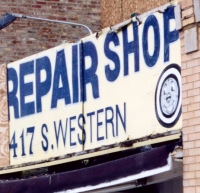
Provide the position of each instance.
(123, 121)
(98, 125)
(60, 73)
(12, 98)
(30, 130)
(169, 36)
(89, 75)
(71, 130)
(81, 71)
(90, 115)
(131, 47)
(112, 75)
(60, 128)
(109, 121)
(44, 146)
(81, 139)
(42, 88)
(151, 60)
(26, 89)
(75, 73)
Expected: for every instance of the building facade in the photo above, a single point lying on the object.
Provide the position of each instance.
(26, 37)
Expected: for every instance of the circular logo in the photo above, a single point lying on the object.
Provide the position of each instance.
(168, 96)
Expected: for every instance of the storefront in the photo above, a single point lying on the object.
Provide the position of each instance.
(113, 112)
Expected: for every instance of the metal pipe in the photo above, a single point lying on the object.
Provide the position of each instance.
(49, 20)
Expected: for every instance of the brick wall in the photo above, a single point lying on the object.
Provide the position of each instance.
(27, 37)
(116, 11)
(191, 99)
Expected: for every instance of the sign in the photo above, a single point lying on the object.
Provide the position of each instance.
(102, 90)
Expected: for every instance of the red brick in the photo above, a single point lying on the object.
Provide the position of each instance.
(193, 78)
(185, 184)
(187, 72)
(186, 4)
(193, 152)
(188, 12)
(181, 34)
(196, 69)
(185, 138)
(193, 92)
(188, 86)
(192, 63)
(185, 168)
(197, 174)
(194, 136)
(189, 190)
(189, 145)
(16, 40)
(184, 109)
(188, 130)
(183, 64)
(189, 175)
(188, 100)
(188, 115)
(186, 57)
(193, 107)
(196, 98)
(186, 153)
(184, 80)
(195, 54)
(184, 94)
(197, 113)
(188, 21)
(183, 50)
(197, 84)
(197, 189)
(182, 44)
(197, 159)
(188, 160)
(194, 182)
(197, 128)
(185, 123)
(197, 143)
(36, 6)
(194, 167)
(41, 2)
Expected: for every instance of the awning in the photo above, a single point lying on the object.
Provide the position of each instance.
(111, 173)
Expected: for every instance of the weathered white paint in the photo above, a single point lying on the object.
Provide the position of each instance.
(114, 110)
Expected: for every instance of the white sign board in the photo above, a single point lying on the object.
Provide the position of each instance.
(99, 91)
